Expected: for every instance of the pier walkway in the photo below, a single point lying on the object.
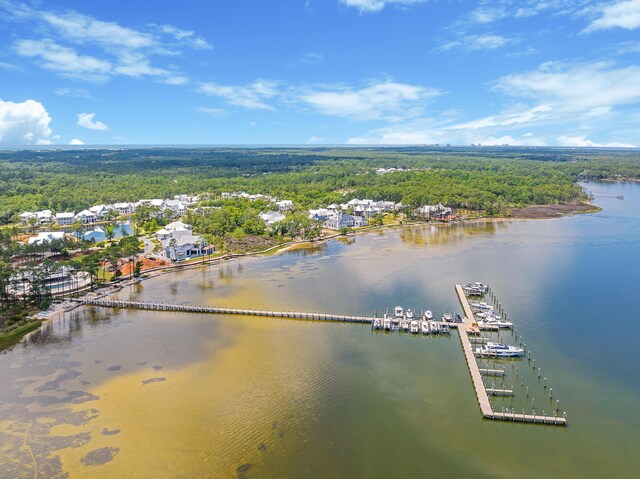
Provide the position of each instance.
(467, 325)
(189, 308)
(476, 375)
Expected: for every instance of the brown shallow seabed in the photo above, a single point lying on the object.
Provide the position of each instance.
(552, 211)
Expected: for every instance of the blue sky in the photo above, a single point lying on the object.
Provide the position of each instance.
(554, 72)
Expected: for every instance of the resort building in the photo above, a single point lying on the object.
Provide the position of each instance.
(86, 217)
(272, 217)
(65, 218)
(46, 237)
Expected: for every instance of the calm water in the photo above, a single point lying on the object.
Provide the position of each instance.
(138, 394)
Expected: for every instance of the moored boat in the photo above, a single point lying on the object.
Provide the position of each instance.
(424, 327)
(415, 328)
(448, 317)
(409, 314)
(499, 350)
(377, 323)
(399, 312)
(428, 315)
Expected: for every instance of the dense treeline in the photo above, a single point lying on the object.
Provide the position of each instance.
(484, 178)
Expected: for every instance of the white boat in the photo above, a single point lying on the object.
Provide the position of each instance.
(499, 350)
(415, 327)
(405, 324)
(434, 327)
(424, 327)
(377, 323)
(409, 314)
(387, 323)
(399, 312)
(444, 328)
(448, 317)
(493, 321)
(428, 315)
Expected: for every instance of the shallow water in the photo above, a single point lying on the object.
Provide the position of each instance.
(108, 393)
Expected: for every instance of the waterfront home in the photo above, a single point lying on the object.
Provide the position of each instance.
(272, 217)
(341, 220)
(86, 217)
(321, 214)
(65, 218)
(101, 211)
(42, 217)
(46, 237)
(124, 208)
(439, 212)
(168, 231)
(179, 242)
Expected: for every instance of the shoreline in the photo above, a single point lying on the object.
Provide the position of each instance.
(69, 304)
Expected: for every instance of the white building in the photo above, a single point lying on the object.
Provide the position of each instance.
(101, 211)
(272, 217)
(42, 217)
(179, 242)
(46, 237)
(284, 205)
(86, 217)
(65, 218)
(124, 208)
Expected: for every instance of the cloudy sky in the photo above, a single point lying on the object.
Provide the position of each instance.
(554, 72)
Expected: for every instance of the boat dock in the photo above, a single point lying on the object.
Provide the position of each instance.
(467, 327)
(189, 308)
(476, 375)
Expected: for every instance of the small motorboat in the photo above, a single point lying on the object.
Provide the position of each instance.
(415, 327)
(448, 317)
(405, 325)
(399, 312)
(387, 323)
(499, 350)
(424, 327)
(377, 323)
(434, 327)
(428, 315)
(409, 314)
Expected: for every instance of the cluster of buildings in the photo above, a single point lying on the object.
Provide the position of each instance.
(167, 207)
(353, 213)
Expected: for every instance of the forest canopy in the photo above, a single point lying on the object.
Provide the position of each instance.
(474, 178)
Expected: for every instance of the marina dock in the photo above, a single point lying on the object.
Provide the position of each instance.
(476, 376)
(467, 327)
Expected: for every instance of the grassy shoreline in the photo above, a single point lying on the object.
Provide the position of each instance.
(15, 336)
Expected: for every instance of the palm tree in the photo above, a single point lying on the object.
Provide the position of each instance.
(110, 231)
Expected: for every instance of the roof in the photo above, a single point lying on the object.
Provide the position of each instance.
(86, 213)
(66, 215)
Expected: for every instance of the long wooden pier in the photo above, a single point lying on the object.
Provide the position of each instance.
(466, 325)
(190, 308)
(476, 376)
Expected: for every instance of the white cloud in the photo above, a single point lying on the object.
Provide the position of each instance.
(74, 93)
(76, 141)
(187, 37)
(25, 123)
(214, 112)
(582, 141)
(377, 100)
(64, 60)
(115, 49)
(315, 140)
(252, 96)
(477, 43)
(307, 60)
(619, 14)
(509, 140)
(176, 80)
(85, 120)
(376, 5)
(9, 66)
(516, 117)
(589, 87)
